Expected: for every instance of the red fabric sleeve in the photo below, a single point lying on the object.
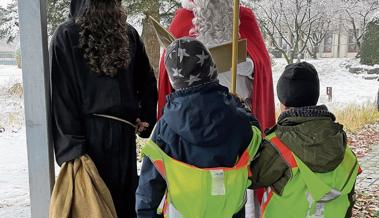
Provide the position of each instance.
(263, 93)
(180, 27)
(263, 96)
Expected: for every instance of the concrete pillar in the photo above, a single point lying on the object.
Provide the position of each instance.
(35, 70)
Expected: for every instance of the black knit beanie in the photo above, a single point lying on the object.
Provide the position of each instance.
(189, 63)
(299, 85)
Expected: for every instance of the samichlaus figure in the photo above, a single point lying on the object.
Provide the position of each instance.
(305, 159)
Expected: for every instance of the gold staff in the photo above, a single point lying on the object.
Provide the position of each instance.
(235, 45)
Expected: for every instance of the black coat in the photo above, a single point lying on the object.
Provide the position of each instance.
(202, 126)
(78, 93)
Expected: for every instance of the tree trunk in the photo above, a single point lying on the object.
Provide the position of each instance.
(313, 51)
(358, 55)
(291, 56)
(149, 37)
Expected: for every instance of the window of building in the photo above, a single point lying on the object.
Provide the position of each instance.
(352, 44)
(328, 43)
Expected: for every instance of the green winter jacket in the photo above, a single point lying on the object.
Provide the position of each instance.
(323, 143)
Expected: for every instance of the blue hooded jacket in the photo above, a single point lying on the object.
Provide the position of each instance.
(202, 126)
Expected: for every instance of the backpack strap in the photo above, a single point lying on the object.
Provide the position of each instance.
(249, 154)
(155, 154)
(315, 185)
(318, 189)
(283, 149)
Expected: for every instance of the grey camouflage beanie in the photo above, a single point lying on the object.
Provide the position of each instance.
(189, 63)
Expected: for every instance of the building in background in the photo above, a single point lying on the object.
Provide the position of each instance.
(338, 44)
(8, 52)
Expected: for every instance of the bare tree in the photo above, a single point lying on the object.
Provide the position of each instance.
(358, 13)
(9, 22)
(58, 11)
(326, 13)
(147, 8)
(288, 24)
(160, 10)
(319, 32)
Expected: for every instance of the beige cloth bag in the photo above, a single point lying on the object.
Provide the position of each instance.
(80, 192)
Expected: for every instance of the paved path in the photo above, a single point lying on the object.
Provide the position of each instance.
(370, 165)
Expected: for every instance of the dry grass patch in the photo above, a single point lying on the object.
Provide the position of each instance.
(355, 117)
(16, 90)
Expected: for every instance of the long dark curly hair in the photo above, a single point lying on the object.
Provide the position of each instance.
(104, 36)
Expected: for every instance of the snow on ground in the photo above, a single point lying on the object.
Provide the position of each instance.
(14, 188)
(9, 75)
(14, 197)
(348, 88)
(11, 107)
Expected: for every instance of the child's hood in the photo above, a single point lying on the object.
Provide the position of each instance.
(319, 142)
(189, 63)
(205, 116)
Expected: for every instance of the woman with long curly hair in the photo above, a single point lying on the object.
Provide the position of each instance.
(103, 91)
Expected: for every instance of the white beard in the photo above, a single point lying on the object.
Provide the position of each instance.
(213, 21)
(187, 4)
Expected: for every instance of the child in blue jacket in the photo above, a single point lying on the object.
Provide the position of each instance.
(202, 125)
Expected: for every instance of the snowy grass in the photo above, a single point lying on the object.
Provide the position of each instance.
(11, 99)
(9, 75)
(14, 183)
(355, 117)
(353, 96)
(348, 88)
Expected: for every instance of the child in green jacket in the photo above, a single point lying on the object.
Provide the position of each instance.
(305, 159)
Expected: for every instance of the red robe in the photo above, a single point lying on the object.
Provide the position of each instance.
(263, 97)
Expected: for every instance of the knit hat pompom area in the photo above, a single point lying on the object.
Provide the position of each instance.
(299, 85)
(189, 63)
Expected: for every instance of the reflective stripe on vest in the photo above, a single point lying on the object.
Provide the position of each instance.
(203, 192)
(309, 194)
